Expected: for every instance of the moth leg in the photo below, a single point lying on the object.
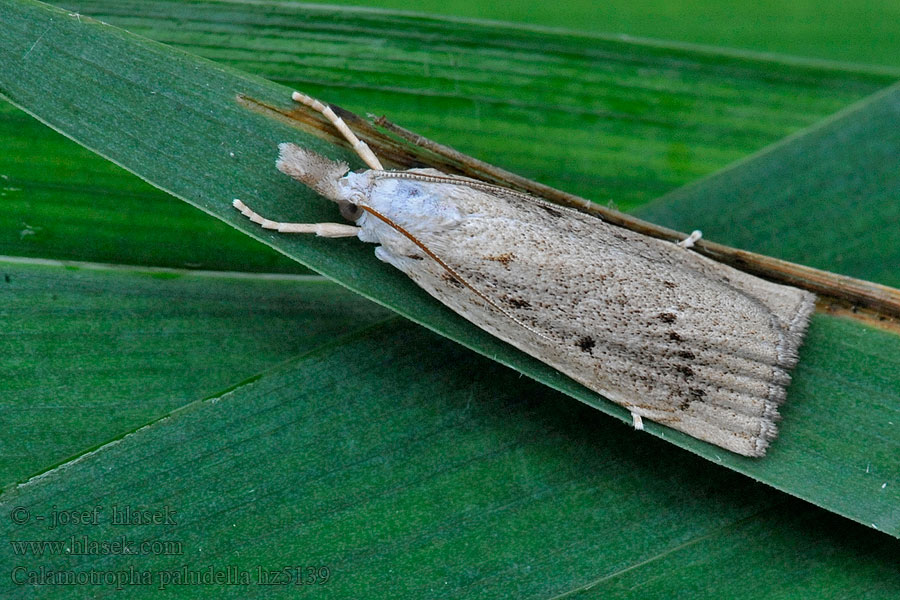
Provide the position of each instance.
(690, 240)
(637, 421)
(331, 230)
(359, 146)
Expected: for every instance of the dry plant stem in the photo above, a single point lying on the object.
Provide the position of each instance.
(400, 147)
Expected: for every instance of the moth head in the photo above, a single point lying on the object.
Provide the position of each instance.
(326, 177)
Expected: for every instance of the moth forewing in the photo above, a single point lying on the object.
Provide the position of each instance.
(670, 335)
(667, 333)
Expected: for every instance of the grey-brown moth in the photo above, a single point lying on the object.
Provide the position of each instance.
(669, 334)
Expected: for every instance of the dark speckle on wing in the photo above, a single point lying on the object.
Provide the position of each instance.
(451, 280)
(586, 343)
(504, 259)
(516, 302)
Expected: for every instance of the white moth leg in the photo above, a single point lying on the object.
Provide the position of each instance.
(331, 230)
(690, 240)
(637, 421)
(359, 146)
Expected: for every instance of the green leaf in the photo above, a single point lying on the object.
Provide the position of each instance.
(91, 353)
(835, 190)
(410, 467)
(62, 201)
(610, 120)
(176, 121)
(861, 32)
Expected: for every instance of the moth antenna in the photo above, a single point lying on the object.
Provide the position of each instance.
(359, 146)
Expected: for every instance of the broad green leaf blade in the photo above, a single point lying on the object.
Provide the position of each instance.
(90, 353)
(152, 113)
(831, 30)
(412, 468)
(835, 191)
(838, 444)
(611, 120)
(62, 201)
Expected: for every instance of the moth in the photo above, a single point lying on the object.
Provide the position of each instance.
(665, 332)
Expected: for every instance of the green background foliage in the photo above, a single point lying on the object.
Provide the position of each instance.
(288, 421)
